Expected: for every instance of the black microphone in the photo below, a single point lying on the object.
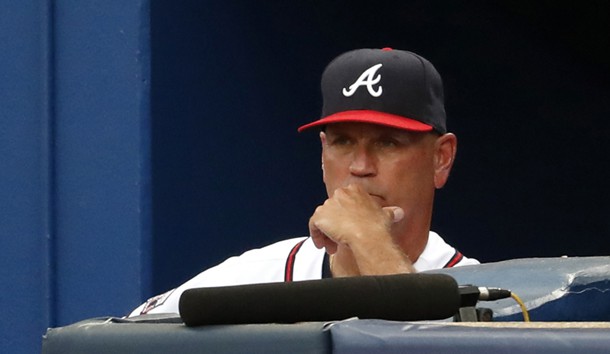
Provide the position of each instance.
(402, 297)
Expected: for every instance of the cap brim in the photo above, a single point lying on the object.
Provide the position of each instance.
(373, 117)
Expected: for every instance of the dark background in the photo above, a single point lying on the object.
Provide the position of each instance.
(527, 93)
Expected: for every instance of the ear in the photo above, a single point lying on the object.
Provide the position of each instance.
(445, 150)
(323, 142)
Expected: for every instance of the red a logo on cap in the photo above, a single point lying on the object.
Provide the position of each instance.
(367, 79)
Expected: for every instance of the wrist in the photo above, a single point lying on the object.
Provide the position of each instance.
(381, 259)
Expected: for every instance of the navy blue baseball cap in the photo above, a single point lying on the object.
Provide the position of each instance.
(395, 88)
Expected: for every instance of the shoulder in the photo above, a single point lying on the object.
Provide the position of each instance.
(265, 264)
(262, 265)
(438, 254)
(273, 252)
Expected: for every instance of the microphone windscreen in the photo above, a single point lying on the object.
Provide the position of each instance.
(402, 297)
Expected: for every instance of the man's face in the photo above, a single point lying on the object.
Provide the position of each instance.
(396, 167)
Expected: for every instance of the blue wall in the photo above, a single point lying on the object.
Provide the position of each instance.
(144, 141)
(75, 179)
(24, 177)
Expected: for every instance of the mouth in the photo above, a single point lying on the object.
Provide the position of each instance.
(377, 197)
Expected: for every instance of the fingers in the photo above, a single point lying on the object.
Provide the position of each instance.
(320, 240)
(348, 214)
(395, 213)
(350, 189)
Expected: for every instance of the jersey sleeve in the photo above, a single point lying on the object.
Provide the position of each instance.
(438, 254)
(263, 265)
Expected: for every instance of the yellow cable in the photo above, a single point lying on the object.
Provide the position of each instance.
(526, 315)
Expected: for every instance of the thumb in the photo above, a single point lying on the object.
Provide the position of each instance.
(396, 213)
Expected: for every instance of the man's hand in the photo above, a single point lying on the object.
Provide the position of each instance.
(356, 231)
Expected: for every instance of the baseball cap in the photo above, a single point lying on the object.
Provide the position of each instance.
(389, 87)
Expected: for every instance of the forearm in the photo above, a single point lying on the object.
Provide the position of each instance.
(370, 256)
(380, 256)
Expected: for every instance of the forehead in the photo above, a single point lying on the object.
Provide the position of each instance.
(367, 129)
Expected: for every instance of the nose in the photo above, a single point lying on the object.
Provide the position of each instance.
(363, 163)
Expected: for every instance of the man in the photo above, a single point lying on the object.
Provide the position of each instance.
(385, 149)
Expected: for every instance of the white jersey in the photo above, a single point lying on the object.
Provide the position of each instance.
(288, 260)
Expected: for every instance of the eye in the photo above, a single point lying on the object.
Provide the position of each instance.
(340, 140)
(387, 142)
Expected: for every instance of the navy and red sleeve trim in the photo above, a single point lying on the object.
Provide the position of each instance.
(457, 258)
(326, 273)
(289, 269)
